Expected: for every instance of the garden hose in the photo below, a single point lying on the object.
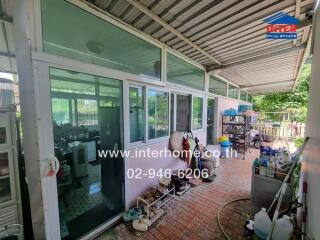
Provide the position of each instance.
(223, 206)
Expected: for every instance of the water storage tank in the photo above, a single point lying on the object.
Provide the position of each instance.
(6, 92)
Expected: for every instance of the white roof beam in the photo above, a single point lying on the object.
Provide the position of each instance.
(266, 84)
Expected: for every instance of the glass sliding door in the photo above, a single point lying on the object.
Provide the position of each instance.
(87, 120)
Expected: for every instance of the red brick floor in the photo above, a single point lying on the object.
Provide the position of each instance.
(194, 215)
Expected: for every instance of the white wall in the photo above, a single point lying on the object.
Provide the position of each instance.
(135, 187)
(312, 151)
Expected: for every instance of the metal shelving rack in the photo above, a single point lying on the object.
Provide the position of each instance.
(237, 128)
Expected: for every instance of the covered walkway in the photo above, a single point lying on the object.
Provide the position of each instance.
(194, 215)
(125, 74)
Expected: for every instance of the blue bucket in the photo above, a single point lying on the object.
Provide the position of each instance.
(225, 144)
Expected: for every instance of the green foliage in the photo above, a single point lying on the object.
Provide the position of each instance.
(298, 142)
(293, 102)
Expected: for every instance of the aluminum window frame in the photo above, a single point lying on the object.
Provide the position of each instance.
(142, 142)
(163, 138)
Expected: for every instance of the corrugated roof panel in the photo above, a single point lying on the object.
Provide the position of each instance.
(247, 23)
(256, 51)
(213, 12)
(233, 16)
(251, 49)
(277, 88)
(119, 7)
(271, 70)
(103, 4)
(225, 18)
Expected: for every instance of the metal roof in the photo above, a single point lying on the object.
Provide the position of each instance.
(225, 36)
(230, 31)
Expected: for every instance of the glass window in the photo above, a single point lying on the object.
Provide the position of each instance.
(217, 86)
(243, 95)
(137, 115)
(3, 135)
(74, 33)
(249, 98)
(184, 73)
(61, 111)
(109, 91)
(197, 116)
(87, 112)
(5, 189)
(158, 114)
(233, 92)
(72, 87)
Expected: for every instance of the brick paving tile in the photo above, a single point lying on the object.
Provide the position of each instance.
(193, 216)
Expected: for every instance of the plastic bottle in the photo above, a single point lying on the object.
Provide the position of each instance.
(271, 167)
(256, 165)
(282, 229)
(263, 167)
(262, 224)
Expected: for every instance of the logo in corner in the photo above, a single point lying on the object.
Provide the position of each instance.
(281, 26)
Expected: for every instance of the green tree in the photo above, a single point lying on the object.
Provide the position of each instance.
(293, 102)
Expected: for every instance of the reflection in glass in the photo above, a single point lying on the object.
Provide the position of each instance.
(217, 86)
(243, 95)
(81, 36)
(5, 191)
(86, 119)
(184, 73)
(136, 114)
(197, 113)
(158, 113)
(233, 92)
(210, 121)
(3, 135)
(4, 164)
(87, 112)
(61, 110)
